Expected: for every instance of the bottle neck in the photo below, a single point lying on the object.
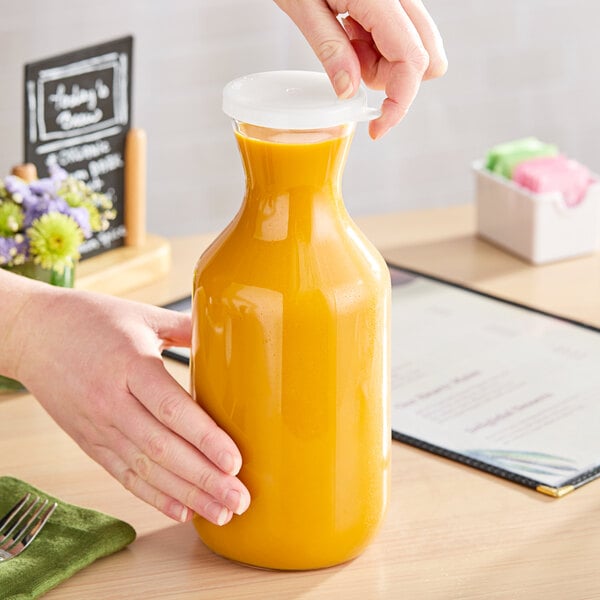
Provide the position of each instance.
(293, 182)
(293, 186)
(309, 163)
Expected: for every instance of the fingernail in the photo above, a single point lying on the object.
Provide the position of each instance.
(217, 513)
(229, 463)
(237, 502)
(183, 517)
(343, 85)
(376, 132)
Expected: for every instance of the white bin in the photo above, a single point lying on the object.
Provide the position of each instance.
(538, 227)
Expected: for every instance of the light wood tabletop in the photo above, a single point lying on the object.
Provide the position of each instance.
(451, 532)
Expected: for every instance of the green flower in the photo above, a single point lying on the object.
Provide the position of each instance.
(95, 216)
(54, 241)
(99, 206)
(11, 218)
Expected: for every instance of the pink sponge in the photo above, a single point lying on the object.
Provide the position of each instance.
(554, 174)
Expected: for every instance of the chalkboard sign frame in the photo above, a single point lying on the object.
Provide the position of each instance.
(78, 109)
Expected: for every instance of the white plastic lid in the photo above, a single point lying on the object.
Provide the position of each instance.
(293, 100)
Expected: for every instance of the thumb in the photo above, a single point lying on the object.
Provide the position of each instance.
(329, 42)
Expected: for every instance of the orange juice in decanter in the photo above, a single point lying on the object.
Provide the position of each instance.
(290, 349)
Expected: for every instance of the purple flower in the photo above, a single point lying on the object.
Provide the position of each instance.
(44, 186)
(35, 206)
(81, 216)
(12, 248)
(6, 249)
(57, 174)
(16, 186)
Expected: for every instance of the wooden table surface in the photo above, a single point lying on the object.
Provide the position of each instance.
(451, 532)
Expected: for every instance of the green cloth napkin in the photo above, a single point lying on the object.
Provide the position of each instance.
(73, 538)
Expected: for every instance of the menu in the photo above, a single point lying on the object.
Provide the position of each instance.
(491, 384)
(494, 385)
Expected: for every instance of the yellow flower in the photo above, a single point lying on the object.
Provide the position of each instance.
(54, 241)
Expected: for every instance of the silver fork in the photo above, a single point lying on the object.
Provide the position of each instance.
(22, 523)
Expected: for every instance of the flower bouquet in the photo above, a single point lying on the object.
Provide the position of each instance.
(44, 222)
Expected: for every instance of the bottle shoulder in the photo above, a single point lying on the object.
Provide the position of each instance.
(291, 265)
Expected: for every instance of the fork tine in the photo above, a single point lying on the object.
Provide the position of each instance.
(37, 527)
(22, 524)
(12, 511)
(21, 533)
(18, 536)
(17, 519)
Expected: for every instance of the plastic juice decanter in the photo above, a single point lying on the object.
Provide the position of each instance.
(290, 349)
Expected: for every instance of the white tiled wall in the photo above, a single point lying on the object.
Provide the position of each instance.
(517, 67)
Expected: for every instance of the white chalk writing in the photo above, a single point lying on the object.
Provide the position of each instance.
(88, 97)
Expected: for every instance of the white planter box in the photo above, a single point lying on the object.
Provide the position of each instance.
(538, 227)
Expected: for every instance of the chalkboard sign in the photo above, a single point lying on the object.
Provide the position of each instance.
(77, 114)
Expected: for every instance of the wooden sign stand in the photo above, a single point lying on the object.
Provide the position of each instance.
(126, 268)
(144, 258)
